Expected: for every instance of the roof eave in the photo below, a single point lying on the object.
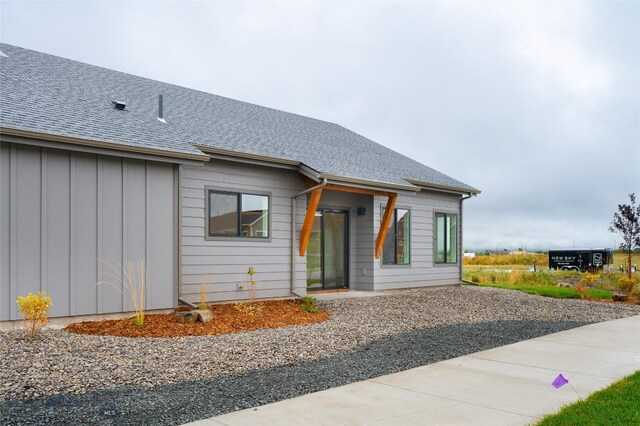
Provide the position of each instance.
(445, 188)
(414, 186)
(102, 144)
(369, 183)
(246, 155)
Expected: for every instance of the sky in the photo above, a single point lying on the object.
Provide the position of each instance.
(537, 104)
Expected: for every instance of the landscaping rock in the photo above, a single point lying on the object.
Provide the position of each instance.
(204, 315)
(66, 378)
(620, 297)
(186, 317)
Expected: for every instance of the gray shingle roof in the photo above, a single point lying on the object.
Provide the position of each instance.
(49, 94)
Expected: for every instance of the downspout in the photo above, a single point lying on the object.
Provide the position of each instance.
(293, 233)
(461, 246)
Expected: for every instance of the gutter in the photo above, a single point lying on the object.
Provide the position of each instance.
(370, 184)
(293, 233)
(102, 144)
(246, 155)
(471, 194)
(445, 188)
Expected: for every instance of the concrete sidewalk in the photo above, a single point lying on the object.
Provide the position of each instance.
(509, 385)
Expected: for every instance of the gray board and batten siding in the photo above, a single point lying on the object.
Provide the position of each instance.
(63, 214)
(222, 262)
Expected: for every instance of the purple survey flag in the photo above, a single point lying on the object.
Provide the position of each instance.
(559, 382)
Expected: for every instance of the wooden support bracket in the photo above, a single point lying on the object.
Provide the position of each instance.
(315, 200)
(305, 233)
(384, 223)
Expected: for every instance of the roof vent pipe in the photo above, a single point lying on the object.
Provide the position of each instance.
(121, 105)
(161, 109)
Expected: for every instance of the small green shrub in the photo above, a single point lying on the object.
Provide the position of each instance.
(309, 304)
(589, 279)
(626, 284)
(609, 281)
(475, 278)
(252, 283)
(585, 283)
(34, 308)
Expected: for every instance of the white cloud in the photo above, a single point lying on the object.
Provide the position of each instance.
(554, 43)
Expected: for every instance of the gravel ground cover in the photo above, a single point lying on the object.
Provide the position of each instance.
(80, 379)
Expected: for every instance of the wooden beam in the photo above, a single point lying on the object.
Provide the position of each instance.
(384, 223)
(315, 199)
(346, 188)
(357, 190)
(312, 206)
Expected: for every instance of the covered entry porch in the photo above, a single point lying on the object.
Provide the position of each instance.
(338, 236)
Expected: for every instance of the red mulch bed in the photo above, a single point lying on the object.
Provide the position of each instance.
(227, 318)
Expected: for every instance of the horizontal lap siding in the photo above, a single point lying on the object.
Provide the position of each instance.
(223, 263)
(365, 245)
(61, 211)
(422, 271)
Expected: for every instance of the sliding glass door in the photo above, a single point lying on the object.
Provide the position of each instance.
(327, 262)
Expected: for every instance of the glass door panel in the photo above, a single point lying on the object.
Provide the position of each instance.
(334, 250)
(314, 254)
(327, 251)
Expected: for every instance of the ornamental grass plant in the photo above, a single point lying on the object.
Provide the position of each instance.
(132, 279)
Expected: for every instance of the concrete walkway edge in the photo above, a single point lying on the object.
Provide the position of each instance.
(509, 385)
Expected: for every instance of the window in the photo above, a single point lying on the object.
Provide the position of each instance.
(446, 238)
(232, 214)
(396, 247)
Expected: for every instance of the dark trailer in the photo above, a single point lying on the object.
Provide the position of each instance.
(581, 259)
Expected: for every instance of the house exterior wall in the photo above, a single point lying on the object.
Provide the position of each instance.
(63, 214)
(368, 273)
(365, 245)
(223, 262)
(422, 271)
